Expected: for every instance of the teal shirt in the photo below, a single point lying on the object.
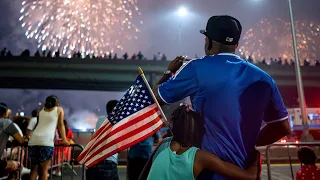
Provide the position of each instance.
(168, 165)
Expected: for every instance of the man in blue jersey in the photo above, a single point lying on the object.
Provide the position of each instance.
(233, 95)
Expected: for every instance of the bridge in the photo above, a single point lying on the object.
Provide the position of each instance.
(118, 74)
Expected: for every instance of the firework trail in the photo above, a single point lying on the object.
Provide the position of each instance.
(273, 39)
(88, 26)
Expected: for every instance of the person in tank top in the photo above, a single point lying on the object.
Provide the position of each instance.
(41, 142)
(179, 157)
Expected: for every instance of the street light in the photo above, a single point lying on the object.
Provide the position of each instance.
(298, 72)
(182, 12)
(301, 96)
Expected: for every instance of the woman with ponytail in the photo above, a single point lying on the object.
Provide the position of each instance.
(41, 142)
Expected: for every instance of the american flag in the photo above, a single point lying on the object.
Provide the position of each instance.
(135, 118)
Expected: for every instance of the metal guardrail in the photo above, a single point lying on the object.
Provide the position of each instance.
(298, 144)
(22, 158)
(72, 161)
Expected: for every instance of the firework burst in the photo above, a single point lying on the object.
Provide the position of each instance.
(88, 26)
(273, 39)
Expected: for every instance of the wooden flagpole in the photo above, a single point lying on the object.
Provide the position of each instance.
(153, 96)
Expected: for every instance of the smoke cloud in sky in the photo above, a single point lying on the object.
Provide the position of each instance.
(81, 107)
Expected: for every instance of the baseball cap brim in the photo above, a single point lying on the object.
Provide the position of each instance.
(203, 32)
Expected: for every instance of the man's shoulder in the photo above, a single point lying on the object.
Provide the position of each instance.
(102, 117)
(255, 70)
(5, 123)
(100, 120)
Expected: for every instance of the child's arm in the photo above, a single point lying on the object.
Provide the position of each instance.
(207, 160)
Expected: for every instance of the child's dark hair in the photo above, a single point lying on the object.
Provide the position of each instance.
(307, 156)
(187, 127)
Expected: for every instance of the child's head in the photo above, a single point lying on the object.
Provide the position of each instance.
(187, 127)
(307, 156)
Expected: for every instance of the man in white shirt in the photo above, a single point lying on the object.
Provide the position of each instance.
(7, 128)
(32, 123)
(109, 165)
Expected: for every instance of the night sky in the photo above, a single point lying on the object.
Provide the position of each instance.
(159, 33)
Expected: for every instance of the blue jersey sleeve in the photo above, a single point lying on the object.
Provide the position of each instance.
(276, 110)
(182, 85)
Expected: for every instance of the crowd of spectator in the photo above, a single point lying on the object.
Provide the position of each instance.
(281, 61)
(50, 54)
(158, 56)
(14, 135)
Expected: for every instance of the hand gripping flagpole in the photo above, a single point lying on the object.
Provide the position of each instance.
(154, 97)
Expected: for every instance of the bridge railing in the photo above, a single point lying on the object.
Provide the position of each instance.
(63, 156)
(288, 146)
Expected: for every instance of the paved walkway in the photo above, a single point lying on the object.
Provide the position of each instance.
(279, 172)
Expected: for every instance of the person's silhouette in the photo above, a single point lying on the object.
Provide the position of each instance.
(37, 54)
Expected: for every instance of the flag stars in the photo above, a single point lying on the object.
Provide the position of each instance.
(136, 98)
